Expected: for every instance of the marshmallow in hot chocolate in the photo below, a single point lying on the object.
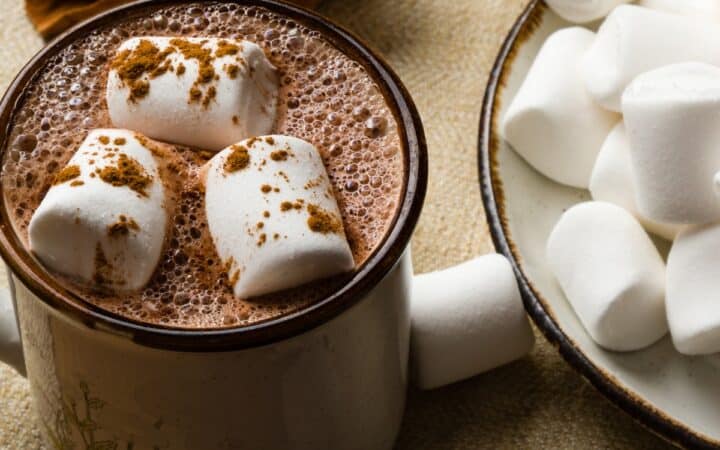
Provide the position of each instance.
(582, 11)
(672, 117)
(613, 180)
(611, 273)
(273, 216)
(552, 122)
(693, 281)
(633, 40)
(103, 221)
(202, 92)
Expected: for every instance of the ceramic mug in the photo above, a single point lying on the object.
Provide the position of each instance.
(332, 375)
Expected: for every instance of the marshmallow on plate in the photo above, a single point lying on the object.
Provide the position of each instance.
(582, 11)
(693, 283)
(552, 122)
(672, 116)
(699, 9)
(613, 181)
(273, 216)
(611, 273)
(202, 92)
(466, 320)
(633, 40)
(104, 220)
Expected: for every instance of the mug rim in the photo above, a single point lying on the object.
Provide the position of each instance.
(43, 285)
(491, 187)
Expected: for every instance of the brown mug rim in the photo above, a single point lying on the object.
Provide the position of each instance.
(53, 294)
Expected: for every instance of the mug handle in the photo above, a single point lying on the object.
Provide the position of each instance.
(466, 320)
(11, 351)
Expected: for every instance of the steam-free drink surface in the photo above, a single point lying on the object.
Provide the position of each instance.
(325, 98)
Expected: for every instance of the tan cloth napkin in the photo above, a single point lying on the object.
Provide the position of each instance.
(52, 17)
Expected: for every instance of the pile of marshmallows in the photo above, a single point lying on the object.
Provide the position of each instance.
(632, 112)
(105, 218)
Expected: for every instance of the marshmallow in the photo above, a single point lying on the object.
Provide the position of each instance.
(698, 9)
(466, 320)
(273, 216)
(104, 219)
(201, 92)
(633, 40)
(582, 11)
(552, 122)
(613, 181)
(611, 273)
(672, 116)
(693, 280)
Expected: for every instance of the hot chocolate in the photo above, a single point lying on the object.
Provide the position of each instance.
(325, 98)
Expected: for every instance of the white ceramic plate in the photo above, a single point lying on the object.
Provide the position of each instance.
(676, 396)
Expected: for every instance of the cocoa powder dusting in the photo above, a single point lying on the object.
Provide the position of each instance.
(210, 96)
(225, 48)
(195, 95)
(103, 269)
(132, 65)
(234, 277)
(279, 155)
(122, 227)
(322, 221)
(232, 71)
(128, 172)
(66, 174)
(206, 71)
(261, 240)
(238, 159)
(154, 147)
(287, 206)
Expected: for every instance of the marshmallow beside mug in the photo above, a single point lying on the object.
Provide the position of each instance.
(611, 273)
(273, 215)
(201, 92)
(103, 221)
(582, 11)
(693, 281)
(466, 320)
(633, 40)
(552, 122)
(672, 115)
(613, 181)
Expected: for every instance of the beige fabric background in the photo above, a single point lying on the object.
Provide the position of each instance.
(443, 51)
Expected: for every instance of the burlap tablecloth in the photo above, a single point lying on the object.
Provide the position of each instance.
(443, 51)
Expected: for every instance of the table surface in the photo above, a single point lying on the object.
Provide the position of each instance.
(443, 51)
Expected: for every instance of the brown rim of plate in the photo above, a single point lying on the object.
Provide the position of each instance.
(52, 293)
(536, 305)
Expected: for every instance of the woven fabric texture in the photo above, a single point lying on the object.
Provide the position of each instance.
(443, 51)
